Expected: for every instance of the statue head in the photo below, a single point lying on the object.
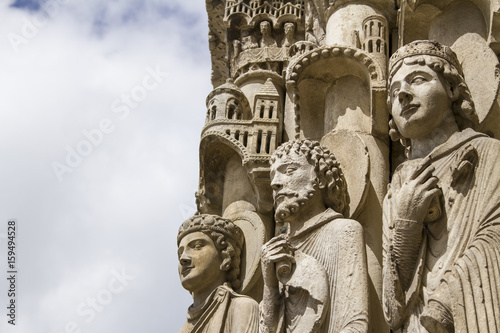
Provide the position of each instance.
(425, 80)
(265, 28)
(209, 249)
(289, 29)
(301, 170)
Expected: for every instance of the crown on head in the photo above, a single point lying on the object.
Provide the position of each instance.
(425, 47)
(206, 222)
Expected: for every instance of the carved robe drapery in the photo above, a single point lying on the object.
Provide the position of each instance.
(316, 19)
(457, 257)
(224, 312)
(327, 290)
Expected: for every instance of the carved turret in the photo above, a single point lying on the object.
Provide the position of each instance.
(227, 102)
(376, 38)
(266, 112)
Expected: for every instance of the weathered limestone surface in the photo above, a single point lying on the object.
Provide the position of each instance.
(441, 214)
(315, 275)
(318, 70)
(209, 249)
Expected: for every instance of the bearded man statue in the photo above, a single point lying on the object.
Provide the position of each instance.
(315, 273)
(441, 269)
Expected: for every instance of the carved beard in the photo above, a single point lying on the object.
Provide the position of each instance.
(292, 202)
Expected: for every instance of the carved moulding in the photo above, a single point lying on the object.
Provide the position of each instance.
(298, 64)
(267, 58)
(257, 74)
(322, 67)
(300, 48)
(277, 13)
(327, 7)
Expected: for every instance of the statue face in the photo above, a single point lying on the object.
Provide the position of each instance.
(293, 181)
(289, 29)
(199, 262)
(265, 28)
(420, 101)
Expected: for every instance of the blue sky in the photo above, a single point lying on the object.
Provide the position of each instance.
(26, 4)
(117, 88)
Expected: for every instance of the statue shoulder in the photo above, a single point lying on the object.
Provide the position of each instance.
(345, 228)
(244, 301)
(483, 147)
(241, 300)
(243, 314)
(347, 224)
(491, 142)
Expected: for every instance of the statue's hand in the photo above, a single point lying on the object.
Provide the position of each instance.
(415, 195)
(277, 250)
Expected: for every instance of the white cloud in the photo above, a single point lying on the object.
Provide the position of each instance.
(123, 204)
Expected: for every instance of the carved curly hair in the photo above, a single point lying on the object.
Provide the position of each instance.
(329, 175)
(228, 239)
(463, 108)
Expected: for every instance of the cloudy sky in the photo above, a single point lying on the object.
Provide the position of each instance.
(101, 108)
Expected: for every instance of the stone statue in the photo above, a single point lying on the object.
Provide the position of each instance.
(209, 249)
(315, 21)
(289, 38)
(248, 41)
(319, 259)
(236, 48)
(441, 270)
(266, 39)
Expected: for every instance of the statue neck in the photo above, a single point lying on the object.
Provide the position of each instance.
(421, 147)
(200, 297)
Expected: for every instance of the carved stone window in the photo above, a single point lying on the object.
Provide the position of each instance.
(233, 110)
(245, 139)
(212, 110)
(213, 113)
(259, 142)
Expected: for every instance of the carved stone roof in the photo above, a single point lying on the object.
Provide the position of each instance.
(229, 87)
(268, 89)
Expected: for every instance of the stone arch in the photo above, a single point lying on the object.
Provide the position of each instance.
(319, 79)
(222, 164)
(233, 109)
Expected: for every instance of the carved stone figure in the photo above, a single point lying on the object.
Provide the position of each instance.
(330, 85)
(289, 39)
(319, 259)
(248, 41)
(236, 48)
(209, 249)
(266, 39)
(315, 21)
(442, 211)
